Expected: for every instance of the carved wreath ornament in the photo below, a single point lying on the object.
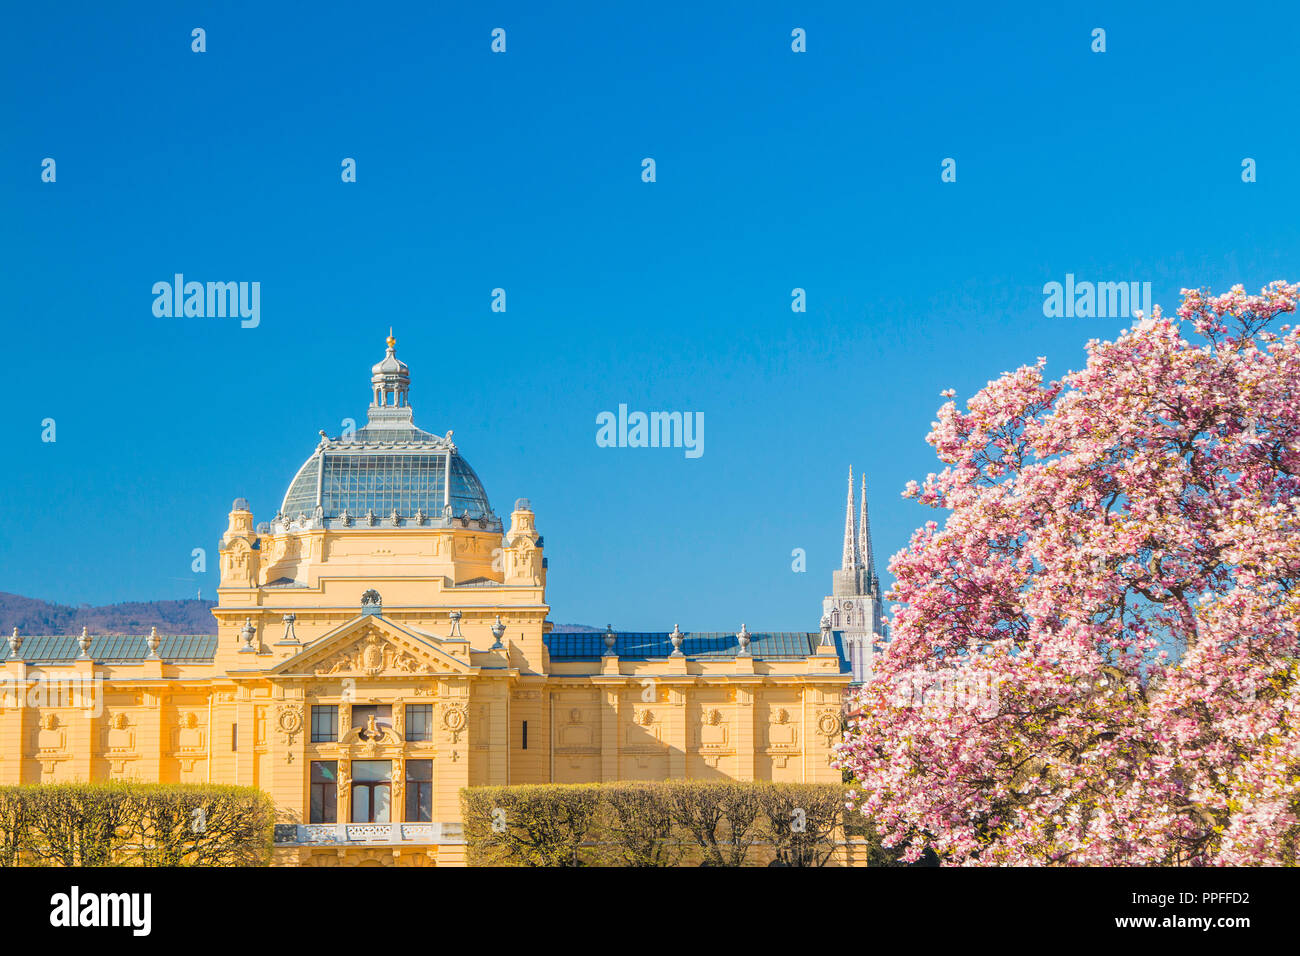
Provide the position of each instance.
(454, 717)
(289, 720)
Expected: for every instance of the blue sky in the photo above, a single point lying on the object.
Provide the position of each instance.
(522, 171)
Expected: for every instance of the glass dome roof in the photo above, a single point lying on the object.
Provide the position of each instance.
(388, 467)
(380, 481)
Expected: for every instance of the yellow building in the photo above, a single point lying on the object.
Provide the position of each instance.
(384, 642)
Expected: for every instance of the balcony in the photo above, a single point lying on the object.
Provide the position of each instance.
(368, 834)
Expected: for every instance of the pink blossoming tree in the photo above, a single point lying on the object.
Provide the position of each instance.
(1094, 660)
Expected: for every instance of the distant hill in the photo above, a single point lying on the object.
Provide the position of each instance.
(190, 616)
(32, 616)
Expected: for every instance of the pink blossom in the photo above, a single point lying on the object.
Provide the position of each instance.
(1121, 561)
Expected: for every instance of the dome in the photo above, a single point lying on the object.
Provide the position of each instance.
(390, 366)
(389, 472)
(380, 479)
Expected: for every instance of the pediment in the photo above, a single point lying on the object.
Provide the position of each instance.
(371, 647)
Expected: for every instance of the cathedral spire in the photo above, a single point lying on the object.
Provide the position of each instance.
(850, 561)
(864, 545)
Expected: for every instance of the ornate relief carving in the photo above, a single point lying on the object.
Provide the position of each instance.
(289, 719)
(189, 737)
(828, 725)
(376, 734)
(575, 734)
(120, 736)
(455, 717)
(714, 734)
(48, 735)
(782, 733)
(396, 782)
(371, 656)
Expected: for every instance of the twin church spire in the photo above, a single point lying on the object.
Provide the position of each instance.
(858, 563)
(854, 607)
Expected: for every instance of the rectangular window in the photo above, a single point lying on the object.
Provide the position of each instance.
(234, 736)
(371, 787)
(419, 721)
(525, 747)
(324, 723)
(361, 714)
(419, 791)
(324, 791)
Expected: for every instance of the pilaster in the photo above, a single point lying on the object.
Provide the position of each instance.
(745, 731)
(610, 725)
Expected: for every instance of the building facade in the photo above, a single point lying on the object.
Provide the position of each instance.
(383, 642)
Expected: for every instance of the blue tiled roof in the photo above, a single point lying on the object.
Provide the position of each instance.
(113, 648)
(706, 645)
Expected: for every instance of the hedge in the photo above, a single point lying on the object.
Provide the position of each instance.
(668, 823)
(134, 824)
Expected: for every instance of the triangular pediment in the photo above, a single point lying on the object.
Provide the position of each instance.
(370, 646)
